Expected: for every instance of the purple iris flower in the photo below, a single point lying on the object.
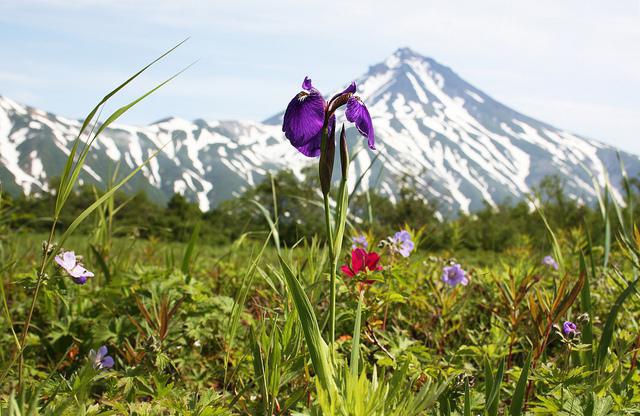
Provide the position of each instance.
(569, 328)
(308, 113)
(359, 241)
(454, 275)
(69, 262)
(100, 360)
(401, 243)
(550, 261)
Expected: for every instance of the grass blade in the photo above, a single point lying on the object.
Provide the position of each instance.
(517, 401)
(318, 349)
(607, 331)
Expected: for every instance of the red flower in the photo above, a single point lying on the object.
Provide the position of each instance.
(361, 261)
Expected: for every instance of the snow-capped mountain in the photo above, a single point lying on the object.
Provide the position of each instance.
(456, 144)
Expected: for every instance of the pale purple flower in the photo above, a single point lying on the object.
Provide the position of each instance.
(69, 262)
(454, 275)
(100, 360)
(359, 241)
(550, 262)
(306, 113)
(569, 328)
(401, 243)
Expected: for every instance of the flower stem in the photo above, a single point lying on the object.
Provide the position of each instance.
(333, 260)
(27, 324)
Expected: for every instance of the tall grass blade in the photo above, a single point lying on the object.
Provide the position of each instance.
(66, 182)
(267, 216)
(517, 401)
(188, 252)
(318, 349)
(609, 326)
(238, 304)
(355, 343)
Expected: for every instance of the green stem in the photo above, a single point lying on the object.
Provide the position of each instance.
(27, 324)
(355, 345)
(332, 257)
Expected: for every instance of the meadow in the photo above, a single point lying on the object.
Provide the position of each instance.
(354, 317)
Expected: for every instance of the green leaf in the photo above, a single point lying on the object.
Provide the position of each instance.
(467, 399)
(355, 343)
(609, 326)
(585, 305)
(494, 397)
(188, 252)
(517, 401)
(318, 349)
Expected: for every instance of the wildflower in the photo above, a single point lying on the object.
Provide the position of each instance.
(359, 241)
(550, 262)
(69, 262)
(100, 360)
(401, 243)
(570, 329)
(362, 262)
(308, 114)
(454, 275)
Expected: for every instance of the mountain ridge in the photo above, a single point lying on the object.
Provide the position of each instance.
(460, 147)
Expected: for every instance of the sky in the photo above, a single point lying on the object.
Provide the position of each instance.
(573, 64)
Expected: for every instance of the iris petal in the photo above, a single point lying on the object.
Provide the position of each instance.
(303, 120)
(358, 114)
(306, 84)
(311, 147)
(351, 89)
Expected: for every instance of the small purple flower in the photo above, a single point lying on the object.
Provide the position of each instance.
(306, 113)
(69, 262)
(569, 328)
(550, 262)
(100, 360)
(359, 241)
(401, 243)
(454, 275)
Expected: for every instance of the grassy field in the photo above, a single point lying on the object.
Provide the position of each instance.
(215, 330)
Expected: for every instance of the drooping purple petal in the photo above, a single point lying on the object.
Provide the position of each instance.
(358, 114)
(107, 362)
(311, 147)
(303, 118)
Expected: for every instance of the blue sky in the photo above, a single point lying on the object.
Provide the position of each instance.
(574, 64)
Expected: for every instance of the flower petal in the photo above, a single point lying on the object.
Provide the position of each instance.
(347, 270)
(351, 89)
(358, 259)
(306, 84)
(358, 114)
(372, 261)
(107, 362)
(102, 351)
(303, 118)
(312, 147)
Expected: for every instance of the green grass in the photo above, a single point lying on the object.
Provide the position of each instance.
(412, 324)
